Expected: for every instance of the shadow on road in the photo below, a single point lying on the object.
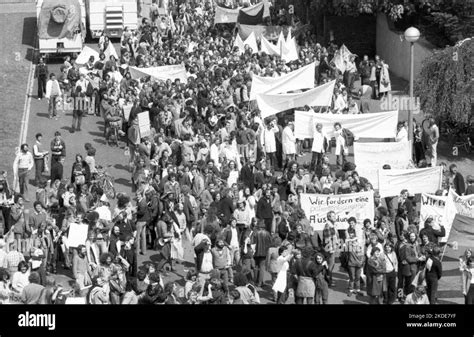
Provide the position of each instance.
(96, 134)
(121, 167)
(29, 38)
(123, 182)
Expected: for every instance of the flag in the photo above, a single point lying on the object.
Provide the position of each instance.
(271, 33)
(462, 231)
(85, 54)
(240, 44)
(341, 57)
(281, 42)
(251, 41)
(110, 51)
(288, 37)
(290, 51)
(226, 15)
(247, 19)
(268, 47)
(172, 25)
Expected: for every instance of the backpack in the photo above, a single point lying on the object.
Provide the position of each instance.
(348, 137)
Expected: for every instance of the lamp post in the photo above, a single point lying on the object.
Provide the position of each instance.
(411, 35)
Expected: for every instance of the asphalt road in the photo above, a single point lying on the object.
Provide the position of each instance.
(12, 90)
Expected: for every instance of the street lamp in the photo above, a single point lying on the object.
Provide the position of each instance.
(411, 35)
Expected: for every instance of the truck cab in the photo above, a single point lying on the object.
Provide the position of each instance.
(61, 26)
(111, 17)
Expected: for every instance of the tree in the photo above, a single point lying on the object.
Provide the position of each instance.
(445, 83)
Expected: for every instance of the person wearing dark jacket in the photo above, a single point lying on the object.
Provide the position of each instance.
(128, 253)
(456, 180)
(410, 255)
(225, 208)
(306, 271)
(284, 226)
(434, 271)
(247, 176)
(143, 218)
(432, 234)
(264, 210)
(263, 241)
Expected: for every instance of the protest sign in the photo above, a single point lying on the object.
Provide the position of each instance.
(144, 124)
(77, 234)
(372, 125)
(392, 182)
(455, 204)
(432, 206)
(317, 206)
(371, 157)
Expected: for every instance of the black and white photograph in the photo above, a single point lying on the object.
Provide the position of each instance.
(307, 156)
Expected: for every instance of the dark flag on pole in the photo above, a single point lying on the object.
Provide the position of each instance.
(246, 19)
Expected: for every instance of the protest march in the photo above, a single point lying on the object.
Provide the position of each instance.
(255, 173)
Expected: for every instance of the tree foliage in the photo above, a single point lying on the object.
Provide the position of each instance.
(445, 83)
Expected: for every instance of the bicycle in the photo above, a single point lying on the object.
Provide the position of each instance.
(105, 181)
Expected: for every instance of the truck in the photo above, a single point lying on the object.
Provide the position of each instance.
(61, 26)
(111, 17)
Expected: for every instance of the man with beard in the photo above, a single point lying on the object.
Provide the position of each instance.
(81, 268)
(247, 176)
(265, 210)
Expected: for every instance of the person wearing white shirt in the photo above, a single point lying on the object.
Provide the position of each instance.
(402, 133)
(53, 91)
(269, 143)
(289, 143)
(22, 164)
(339, 103)
(320, 145)
(39, 156)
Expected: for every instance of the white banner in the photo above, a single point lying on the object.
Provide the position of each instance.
(371, 157)
(110, 51)
(85, 54)
(77, 234)
(251, 41)
(427, 180)
(271, 104)
(161, 73)
(144, 124)
(316, 207)
(226, 15)
(432, 206)
(268, 48)
(302, 78)
(456, 204)
(372, 125)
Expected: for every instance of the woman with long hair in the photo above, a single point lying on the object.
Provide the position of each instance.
(4, 286)
(465, 266)
(21, 278)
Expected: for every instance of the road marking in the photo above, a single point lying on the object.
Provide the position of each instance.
(27, 107)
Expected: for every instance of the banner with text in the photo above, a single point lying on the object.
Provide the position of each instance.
(371, 157)
(427, 180)
(317, 206)
(455, 204)
(432, 206)
(371, 125)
